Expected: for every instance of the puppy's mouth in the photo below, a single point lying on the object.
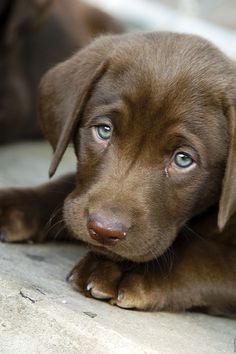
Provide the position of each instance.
(119, 241)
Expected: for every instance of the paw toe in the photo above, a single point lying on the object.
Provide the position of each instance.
(95, 277)
(123, 301)
(97, 293)
(133, 292)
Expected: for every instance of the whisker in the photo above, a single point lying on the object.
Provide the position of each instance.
(49, 225)
(49, 229)
(188, 231)
(59, 232)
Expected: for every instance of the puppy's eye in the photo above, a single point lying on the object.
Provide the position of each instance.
(103, 131)
(183, 160)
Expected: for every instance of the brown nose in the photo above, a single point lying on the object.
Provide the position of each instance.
(106, 230)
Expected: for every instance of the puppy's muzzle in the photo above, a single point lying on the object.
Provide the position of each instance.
(107, 229)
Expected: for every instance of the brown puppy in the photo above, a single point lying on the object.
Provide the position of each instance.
(152, 119)
(34, 36)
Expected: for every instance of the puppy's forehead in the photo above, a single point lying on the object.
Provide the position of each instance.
(165, 83)
(152, 69)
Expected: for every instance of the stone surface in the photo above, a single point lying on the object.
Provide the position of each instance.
(40, 313)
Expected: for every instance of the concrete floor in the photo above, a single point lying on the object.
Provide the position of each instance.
(40, 313)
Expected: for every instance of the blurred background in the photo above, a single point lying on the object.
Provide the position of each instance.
(213, 19)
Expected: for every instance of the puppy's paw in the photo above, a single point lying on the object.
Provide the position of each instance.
(126, 287)
(18, 217)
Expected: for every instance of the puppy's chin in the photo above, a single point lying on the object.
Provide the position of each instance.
(147, 257)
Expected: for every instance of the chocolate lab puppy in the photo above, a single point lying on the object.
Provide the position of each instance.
(34, 36)
(152, 120)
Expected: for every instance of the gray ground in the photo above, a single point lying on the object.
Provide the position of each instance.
(39, 313)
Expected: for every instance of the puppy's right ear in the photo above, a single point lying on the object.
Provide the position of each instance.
(63, 94)
(227, 205)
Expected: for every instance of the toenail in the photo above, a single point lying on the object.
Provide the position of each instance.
(120, 295)
(70, 278)
(89, 286)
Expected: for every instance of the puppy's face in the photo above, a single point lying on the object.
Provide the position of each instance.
(151, 145)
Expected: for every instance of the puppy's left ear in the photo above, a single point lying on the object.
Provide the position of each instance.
(63, 94)
(227, 206)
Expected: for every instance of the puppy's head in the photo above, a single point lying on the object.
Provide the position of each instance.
(152, 120)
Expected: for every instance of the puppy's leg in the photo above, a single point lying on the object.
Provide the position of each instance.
(34, 213)
(202, 276)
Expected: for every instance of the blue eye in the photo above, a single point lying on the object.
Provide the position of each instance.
(103, 131)
(183, 160)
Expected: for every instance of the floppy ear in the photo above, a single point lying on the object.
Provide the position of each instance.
(227, 206)
(63, 93)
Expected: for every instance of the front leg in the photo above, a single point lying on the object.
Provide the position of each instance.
(202, 276)
(34, 213)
